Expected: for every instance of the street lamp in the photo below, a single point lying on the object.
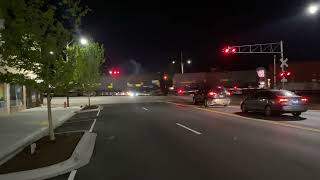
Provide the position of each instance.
(84, 41)
(51, 52)
(182, 62)
(313, 9)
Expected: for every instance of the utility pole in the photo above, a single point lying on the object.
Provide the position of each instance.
(181, 61)
(282, 57)
(274, 72)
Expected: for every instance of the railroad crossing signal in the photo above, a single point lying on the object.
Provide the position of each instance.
(284, 63)
(284, 74)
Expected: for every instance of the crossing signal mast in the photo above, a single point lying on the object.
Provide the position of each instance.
(267, 48)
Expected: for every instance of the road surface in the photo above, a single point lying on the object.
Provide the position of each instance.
(160, 140)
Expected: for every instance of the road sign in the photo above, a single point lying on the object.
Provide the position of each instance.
(284, 63)
(284, 80)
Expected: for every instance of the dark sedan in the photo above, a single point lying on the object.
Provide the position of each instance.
(275, 101)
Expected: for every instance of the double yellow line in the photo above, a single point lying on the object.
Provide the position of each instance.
(315, 130)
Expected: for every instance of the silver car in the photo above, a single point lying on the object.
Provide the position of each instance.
(275, 102)
(212, 96)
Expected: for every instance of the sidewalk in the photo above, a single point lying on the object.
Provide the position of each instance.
(22, 128)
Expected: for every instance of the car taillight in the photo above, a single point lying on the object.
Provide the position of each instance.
(211, 93)
(283, 100)
(304, 99)
(228, 93)
(179, 91)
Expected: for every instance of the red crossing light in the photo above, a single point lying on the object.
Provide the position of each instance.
(229, 50)
(285, 74)
(114, 71)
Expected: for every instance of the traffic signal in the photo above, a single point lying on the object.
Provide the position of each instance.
(114, 71)
(165, 77)
(226, 50)
(229, 50)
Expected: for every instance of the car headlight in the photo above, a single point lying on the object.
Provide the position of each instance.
(132, 94)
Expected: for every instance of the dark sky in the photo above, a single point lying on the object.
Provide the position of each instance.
(154, 33)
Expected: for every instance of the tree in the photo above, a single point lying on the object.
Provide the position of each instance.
(89, 59)
(34, 39)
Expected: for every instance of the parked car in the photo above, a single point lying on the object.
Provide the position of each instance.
(212, 96)
(275, 101)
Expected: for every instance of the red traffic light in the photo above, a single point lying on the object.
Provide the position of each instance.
(165, 77)
(229, 50)
(226, 50)
(114, 71)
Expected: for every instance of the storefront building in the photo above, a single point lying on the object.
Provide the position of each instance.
(12, 98)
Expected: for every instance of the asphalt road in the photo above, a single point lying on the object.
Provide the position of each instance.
(158, 140)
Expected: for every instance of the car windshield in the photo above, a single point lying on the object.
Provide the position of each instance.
(285, 93)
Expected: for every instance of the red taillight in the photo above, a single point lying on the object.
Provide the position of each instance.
(304, 99)
(228, 93)
(283, 100)
(179, 91)
(211, 93)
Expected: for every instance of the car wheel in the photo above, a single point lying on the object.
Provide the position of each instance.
(206, 103)
(195, 101)
(296, 114)
(244, 108)
(267, 111)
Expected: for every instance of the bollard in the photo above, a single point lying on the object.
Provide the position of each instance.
(65, 104)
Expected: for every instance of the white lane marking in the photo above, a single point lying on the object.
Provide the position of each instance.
(72, 175)
(145, 108)
(92, 126)
(194, 131)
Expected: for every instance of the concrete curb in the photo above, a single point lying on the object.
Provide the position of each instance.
(19, 145)
(80, 157)
(90, 110)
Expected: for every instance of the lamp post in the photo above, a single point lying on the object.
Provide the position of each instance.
(83, 41)
(182, 62)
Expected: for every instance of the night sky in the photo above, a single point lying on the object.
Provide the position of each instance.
(148, 36)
